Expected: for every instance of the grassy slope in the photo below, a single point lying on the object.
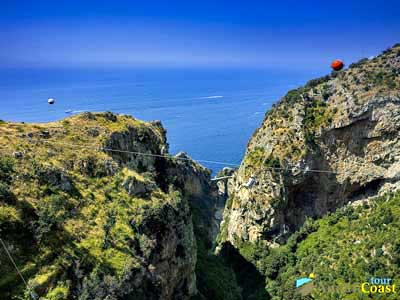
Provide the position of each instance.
(54, 230)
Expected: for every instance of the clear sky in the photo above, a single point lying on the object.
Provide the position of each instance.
(206, 33)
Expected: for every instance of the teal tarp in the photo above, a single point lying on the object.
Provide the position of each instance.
(302, 281)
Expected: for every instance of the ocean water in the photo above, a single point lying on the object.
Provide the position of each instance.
(208, 113)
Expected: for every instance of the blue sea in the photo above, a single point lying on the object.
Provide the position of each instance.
(208, 113)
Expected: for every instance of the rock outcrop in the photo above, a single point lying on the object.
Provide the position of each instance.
(331, 142)
(93, 207)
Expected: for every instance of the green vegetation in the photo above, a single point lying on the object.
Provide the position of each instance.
(80, 222)
(272, 162)
(6, 169)
(315, 82)
(226, 275)
(257, 158)
(344, 249)
(71, 227)
(212, 271)
(215, 277)
(359, 63)
(298, 94)
(295, 95)
(317, 114)
(382, 79)
(252, 252)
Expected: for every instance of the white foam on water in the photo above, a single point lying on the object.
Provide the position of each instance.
(212, 97)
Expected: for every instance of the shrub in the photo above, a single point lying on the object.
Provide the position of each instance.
(256, 156)
(314, 82)
(274, 262)
(272, 162)
(6, 169)
(294, 95)
(331, 241)
(359, 63)
(51, 211)
(5, 193)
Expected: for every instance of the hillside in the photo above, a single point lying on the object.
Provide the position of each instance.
(327, 145)
(83, 222)
(93, 207)
(344, 249)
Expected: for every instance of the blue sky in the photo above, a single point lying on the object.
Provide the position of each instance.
(207, 33)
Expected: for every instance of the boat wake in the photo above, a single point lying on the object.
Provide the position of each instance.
(212, 97)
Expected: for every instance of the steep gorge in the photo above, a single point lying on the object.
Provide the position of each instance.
(94, 207)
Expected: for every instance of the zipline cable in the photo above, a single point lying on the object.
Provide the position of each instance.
(188, 159)
(13, 262)
(139, 153)
(169, 156)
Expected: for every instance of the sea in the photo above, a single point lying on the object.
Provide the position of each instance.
(208, 113)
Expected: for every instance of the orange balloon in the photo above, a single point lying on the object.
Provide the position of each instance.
(337, 65)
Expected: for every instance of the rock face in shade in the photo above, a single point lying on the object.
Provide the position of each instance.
(89, 219)
(346, 124)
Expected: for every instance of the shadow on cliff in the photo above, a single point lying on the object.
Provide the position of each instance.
(250, 280)
(227, 276)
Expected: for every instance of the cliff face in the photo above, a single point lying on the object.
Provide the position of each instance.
(346, 125)
(86, 219)
(93, 207)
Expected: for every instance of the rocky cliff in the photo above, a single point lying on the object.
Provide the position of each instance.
(93, 207)
(331, 142)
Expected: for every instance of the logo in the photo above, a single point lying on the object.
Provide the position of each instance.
(379, 286)
(305, 285)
